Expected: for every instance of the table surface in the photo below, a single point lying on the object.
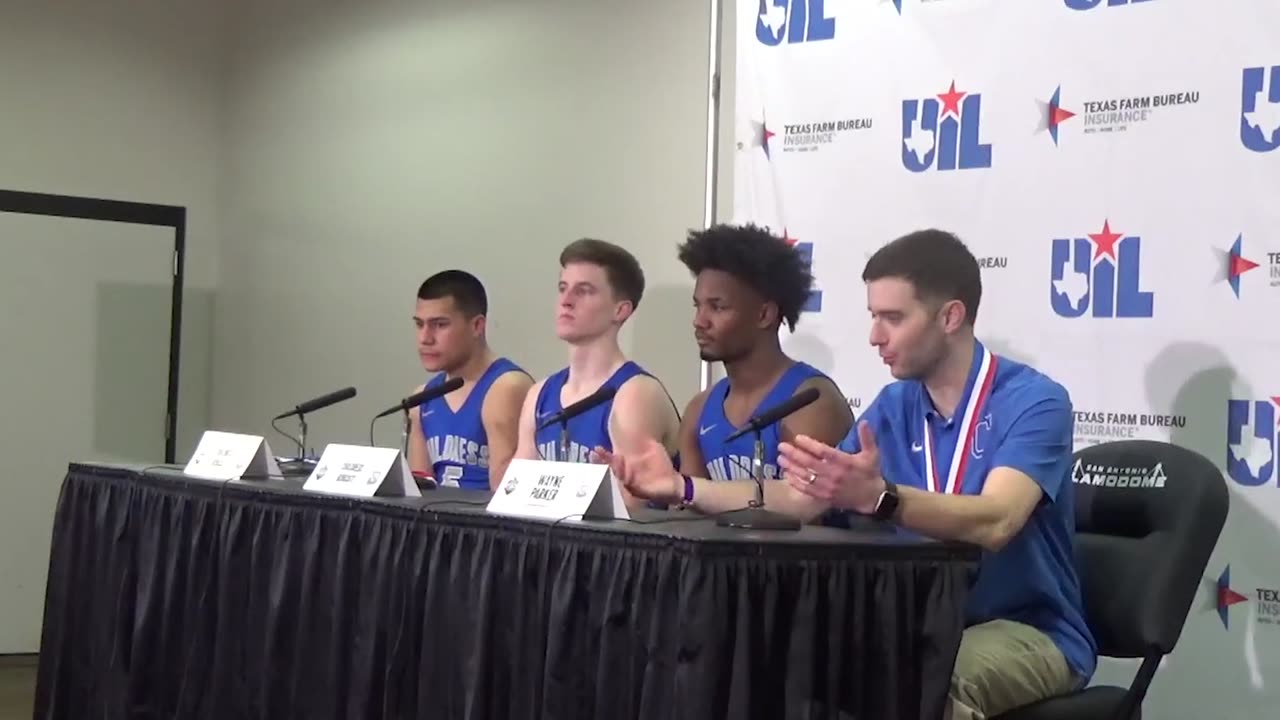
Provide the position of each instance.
(452, 505)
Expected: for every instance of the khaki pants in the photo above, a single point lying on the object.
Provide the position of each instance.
(1003, 665)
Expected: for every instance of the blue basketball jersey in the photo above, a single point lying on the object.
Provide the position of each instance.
(457, 443)
(732, 460)
(586, 431)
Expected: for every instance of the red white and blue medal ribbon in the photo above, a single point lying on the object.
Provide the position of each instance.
(968, 425)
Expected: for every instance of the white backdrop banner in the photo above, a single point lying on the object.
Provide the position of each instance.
(1115, 165)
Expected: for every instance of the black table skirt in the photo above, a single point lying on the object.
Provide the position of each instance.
(170, 597)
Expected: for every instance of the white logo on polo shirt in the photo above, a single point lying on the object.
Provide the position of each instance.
(980, 431)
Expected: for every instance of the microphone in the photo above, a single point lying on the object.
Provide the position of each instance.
(414, 400)
(426, 395)
(755, 516)
(319, 403)
(302, 465)
(776, 413)
(599, 397)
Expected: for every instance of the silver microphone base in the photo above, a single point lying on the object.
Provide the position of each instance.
(757, 518)
(294, 467)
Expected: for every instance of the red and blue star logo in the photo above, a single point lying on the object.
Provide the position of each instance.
(1052, 114)
(814, 303)
(1232, 264)
(760, 136)
(1226, 596)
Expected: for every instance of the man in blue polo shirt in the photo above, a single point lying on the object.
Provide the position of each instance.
(965, 446)
(973, 447)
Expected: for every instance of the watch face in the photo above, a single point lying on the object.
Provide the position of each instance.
(887, 506)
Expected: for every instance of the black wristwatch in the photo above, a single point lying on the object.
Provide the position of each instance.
(887, 505)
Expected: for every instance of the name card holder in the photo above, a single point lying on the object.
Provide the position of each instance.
(232, 456)
(362, 471)
(556, 490)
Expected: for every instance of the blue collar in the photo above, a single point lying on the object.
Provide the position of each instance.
(926, 403)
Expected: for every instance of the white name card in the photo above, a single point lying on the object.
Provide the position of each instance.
(232, 456)
(558, 490)
(362, 471)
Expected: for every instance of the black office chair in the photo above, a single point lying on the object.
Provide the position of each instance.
(1141, 552)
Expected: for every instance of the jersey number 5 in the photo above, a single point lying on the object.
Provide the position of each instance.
(452, 474)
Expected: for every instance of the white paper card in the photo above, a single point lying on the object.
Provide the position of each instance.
(557, 490)
(362, 471)
(232, 456)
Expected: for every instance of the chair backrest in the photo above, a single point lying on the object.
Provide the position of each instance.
(1148, 515)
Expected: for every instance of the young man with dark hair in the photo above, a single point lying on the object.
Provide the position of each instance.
(963, 446)
(467, 437)
(600, 288)
(749, 282)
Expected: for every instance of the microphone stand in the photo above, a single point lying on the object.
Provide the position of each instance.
(302, 437)
(404, 433)
(755, 516)
(302, 465)
(564, 441)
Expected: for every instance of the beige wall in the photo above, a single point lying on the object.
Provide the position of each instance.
(123, 101)
(372, 144)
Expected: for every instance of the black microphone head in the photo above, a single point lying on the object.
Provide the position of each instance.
(430, 393)
(604, 394)
(790, 405)
(323, 401)
(416, 399)
(806, 396)
(599, 397)
(777, 412)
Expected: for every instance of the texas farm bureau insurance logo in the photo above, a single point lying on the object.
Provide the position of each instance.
(813, 136)
(1260, 109)
(1102, 115)
(804, 137)
(792, 22)
(1101, 274)
(1094, 427)
(944, 132)
(1252, 430)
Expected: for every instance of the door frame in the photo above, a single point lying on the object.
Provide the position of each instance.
(170, 216)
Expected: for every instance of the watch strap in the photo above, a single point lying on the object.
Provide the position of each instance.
(688, 491)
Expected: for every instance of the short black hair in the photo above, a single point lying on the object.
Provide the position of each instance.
(936, 263)
(763, 261)
(466, 290)
(623, 271)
